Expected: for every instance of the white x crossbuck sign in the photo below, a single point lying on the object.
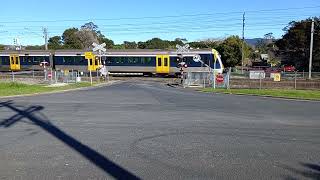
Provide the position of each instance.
(182, 49)
(99, 47)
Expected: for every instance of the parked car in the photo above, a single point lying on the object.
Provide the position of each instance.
(288, 68)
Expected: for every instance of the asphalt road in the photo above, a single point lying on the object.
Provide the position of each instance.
(143, 130)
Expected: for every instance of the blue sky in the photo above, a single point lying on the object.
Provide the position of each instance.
(143, 19)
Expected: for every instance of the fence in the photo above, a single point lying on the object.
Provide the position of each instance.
(206, 79)
(259, 80)
(35, 77)
(288, 80)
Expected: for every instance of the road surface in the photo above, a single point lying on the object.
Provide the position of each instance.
(145, 130)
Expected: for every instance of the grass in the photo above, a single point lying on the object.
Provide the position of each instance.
(283, 93)
(12, 89)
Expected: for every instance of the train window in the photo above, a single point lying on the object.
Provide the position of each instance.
(37, 60)
(12, 61)
(68, 60)
(78, 60)
(118, 60)
(159, 62)
(17, 60)
(130, 60)
(136, 60)
(109, 60)
(23, 60)
(115, 60)
(122, 60)
(146, 60)
(165, 61)
(96, 62)
(90, 62)
(29, 59)
(6, 60)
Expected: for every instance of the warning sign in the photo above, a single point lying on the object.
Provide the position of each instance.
(277, 77)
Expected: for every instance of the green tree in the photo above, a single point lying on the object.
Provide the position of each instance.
(157, 43)
(231, 51)
(118, 46)
(130, 45)
(55, 42)
(70, 39)
(109, 42)
(294, 47)
(91, 26)
(142, 45)
(35, 47)
(2, 47)
(204, 44)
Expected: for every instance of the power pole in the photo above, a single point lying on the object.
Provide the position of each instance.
(311, 49)
(243, 40)
(45, 34)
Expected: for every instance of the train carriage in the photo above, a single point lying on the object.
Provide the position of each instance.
(117, 61)
(24, 60)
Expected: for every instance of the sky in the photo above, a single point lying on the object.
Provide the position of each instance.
(140, 20)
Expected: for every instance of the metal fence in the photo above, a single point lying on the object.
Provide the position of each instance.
(266, 80)
(206, 79)
(48, 76)
(284, 75)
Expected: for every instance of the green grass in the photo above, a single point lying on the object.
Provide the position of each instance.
(284, 93)
(12, 89)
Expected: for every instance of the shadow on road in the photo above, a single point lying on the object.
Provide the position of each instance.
(310, 171)
(96, 158)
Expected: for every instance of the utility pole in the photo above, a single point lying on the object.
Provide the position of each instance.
(311, 49)
(243, 40)
(45, 35)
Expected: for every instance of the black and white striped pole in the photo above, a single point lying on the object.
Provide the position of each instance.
(101, 50)
(180, 51)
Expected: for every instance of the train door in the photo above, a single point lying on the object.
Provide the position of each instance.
(15, 62)
(91, 61)
(163, 64)
(91, 66)
(97, 62)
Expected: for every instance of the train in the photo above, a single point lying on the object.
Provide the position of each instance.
(142, 61)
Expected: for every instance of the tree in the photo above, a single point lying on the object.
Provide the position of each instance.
(231, 51)
(157, 43)
(294, 47)
(55, 42)
(70, 39)
(262, 46)
(269, 38)
(203, 44)
(142, 45)
(118, 46)
(87, 37)
(109, 42)
(2, 47)
(91, 26)
(35, 47)
(130, 45)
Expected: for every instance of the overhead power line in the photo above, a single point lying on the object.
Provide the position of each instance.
(160, 17)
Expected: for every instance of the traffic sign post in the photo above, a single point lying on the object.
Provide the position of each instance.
(101, 50)
(44, 65)
(180, 51)
(89, 57)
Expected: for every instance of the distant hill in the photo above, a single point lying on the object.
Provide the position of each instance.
(253, 42)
